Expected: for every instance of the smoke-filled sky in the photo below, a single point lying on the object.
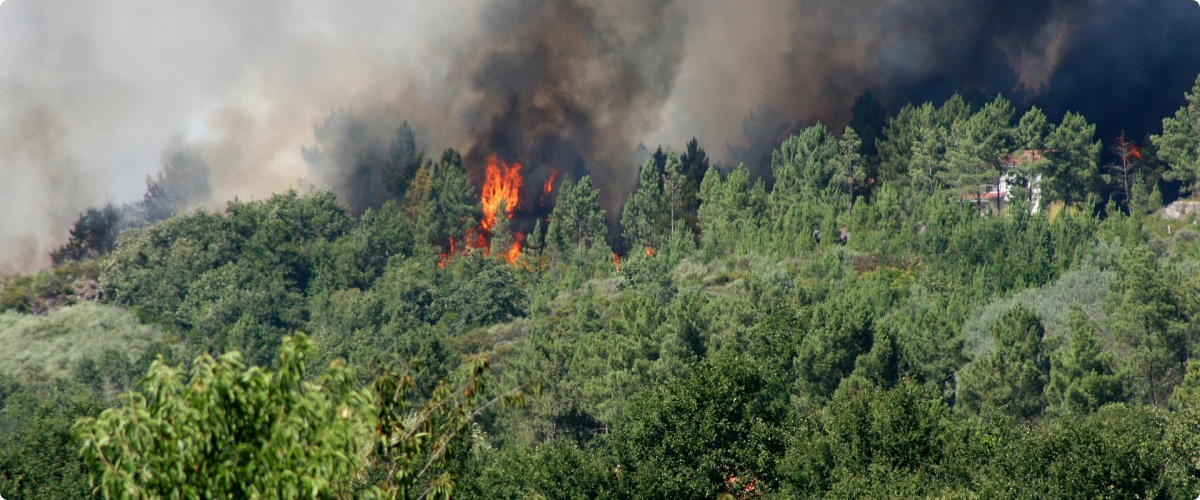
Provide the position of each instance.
(94, 94)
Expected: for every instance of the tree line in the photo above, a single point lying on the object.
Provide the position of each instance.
(856, 323)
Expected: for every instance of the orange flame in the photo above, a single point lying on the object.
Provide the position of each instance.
(503, 184)
(617, 260)
(476, 239)
(649, 251)
(514, 250)
(549, 185)
(1135, 152)
(445, 257)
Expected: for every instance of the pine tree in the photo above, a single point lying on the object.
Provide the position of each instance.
(1145, 320)
(1179, 143)
(1012, 376)
(577, 233)
(1082, 377)
(1070, 173)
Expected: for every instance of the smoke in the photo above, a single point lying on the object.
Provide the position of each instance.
(571, 85)
(1124, 63)
(94, 92)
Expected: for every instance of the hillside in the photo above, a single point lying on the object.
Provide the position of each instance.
(856, 324)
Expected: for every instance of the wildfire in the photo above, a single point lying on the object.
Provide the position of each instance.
(617, 260)
(445, 257)
(1134, 152)
(514, 250)
(503, 184)
(649, 251)
(549, 185)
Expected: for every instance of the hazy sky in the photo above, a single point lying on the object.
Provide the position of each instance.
(93, 93)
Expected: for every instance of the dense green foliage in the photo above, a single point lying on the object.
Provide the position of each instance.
(869, 320)
(229, 430)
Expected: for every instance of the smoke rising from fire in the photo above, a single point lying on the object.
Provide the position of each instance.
(92, 93)
(571, 84)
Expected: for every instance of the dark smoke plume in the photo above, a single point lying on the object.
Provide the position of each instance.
(571, 86)
(1123, 63)
(94, 92)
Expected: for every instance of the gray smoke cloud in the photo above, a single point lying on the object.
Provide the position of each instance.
(570, 85)
(93, 93)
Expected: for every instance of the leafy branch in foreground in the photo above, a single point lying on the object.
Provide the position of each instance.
(230, 431)
(416, 443)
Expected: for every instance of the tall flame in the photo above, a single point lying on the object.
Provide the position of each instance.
(503, 184)
(549, 185)
(445, 257)
(514, 250)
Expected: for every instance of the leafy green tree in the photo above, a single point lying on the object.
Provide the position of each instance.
(927, 167)
(1013, 375)
(899, 137)
(834, 334)
(645, 215)
(1179, 143)
(928, 331)
(850, 166)
(239, 307)
(1187, 393)
(37, 456)
(1071, 173)
(1182, 440)
(361, 256)
(979, 147)
(403, 318)
(485, 293)
(664, 200)
(1116, 452)
(556, 469)
(577, 234)
(913, 147)
(694, 165)
(716, 431)
(729, 210)
(418, 442)
(803, 166)
(1082, 373)
(441, 201)
(894, 441)
(230, 430)
(1031, 130)
(1144, 318)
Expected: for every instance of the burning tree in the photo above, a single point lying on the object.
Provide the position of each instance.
(498, 199)
(1126, 169)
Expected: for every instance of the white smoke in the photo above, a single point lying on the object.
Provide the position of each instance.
(92, 93)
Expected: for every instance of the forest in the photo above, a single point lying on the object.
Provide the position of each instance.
(958, 299)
